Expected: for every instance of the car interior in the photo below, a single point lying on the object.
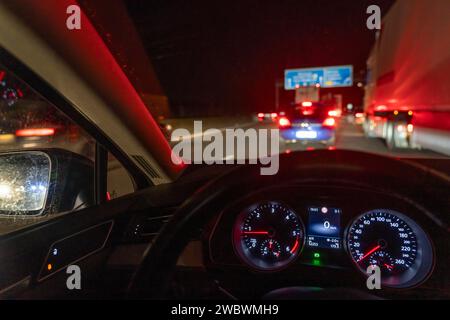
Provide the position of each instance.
(87, 180)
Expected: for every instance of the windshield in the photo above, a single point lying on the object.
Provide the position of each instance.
(323, 80)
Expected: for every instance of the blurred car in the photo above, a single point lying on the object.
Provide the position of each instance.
(308, 122)
(267, 117)
(31, 123)
(359, 118)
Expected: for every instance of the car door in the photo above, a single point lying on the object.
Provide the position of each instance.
(61, 191)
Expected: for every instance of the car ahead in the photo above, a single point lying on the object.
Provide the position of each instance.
(309, 123)
(33, 124)
(129, 222)
(266, 117)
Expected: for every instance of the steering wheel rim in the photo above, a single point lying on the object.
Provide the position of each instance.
(152, 277)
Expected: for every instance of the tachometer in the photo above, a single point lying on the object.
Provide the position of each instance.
(268, 236)
(394, 243)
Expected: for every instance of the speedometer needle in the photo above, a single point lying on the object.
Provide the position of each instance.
(256, 232)
(369, 253)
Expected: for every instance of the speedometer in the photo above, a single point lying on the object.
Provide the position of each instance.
(394, 243)
(268, 236)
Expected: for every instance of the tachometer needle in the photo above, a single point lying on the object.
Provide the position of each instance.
(295, 246)
(256, 232)
(369, 253)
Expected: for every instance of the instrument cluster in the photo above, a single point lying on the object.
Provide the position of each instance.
(268, 236)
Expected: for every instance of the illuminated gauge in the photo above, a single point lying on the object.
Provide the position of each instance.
(383, 260)
(394, 243)
(271, 249)
(268, 236)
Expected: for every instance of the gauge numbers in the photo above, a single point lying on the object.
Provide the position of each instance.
(394, 243)
(268, 236)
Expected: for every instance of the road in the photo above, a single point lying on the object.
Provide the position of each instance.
(351, 136)
(348, 136)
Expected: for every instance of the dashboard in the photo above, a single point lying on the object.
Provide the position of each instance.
(326, 236)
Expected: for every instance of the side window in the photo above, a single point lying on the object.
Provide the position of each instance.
(46, 160)
(119, 182)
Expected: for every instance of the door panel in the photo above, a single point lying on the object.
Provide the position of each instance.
(24, 254)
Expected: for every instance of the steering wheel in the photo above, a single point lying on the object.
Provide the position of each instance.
(153, 276)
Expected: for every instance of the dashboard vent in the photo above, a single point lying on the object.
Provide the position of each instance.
(151, 226)
(146, 167)
(145, 228)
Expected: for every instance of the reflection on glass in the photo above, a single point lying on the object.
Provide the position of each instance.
(24, 183)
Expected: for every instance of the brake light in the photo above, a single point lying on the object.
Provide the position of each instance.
(260, 115)
(329, 122)
(307, 104)
(334, 113)
(273, 115)
(284, 122)
(41, 132)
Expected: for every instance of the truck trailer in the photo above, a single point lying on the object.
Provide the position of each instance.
(407, 92)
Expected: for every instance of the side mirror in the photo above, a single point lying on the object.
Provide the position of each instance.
(40, 182)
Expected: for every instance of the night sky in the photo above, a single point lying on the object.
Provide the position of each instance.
(223, 57)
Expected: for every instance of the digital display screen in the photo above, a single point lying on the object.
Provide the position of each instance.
(324, 227)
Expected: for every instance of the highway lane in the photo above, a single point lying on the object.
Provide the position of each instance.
(349, 136)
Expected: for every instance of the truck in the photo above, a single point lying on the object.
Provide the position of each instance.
(407, 91)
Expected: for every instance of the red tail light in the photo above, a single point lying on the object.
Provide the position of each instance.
(40, 132)
(284, 122)
(329, 122)
(273, 115)
(334, 113)
(260, 115)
